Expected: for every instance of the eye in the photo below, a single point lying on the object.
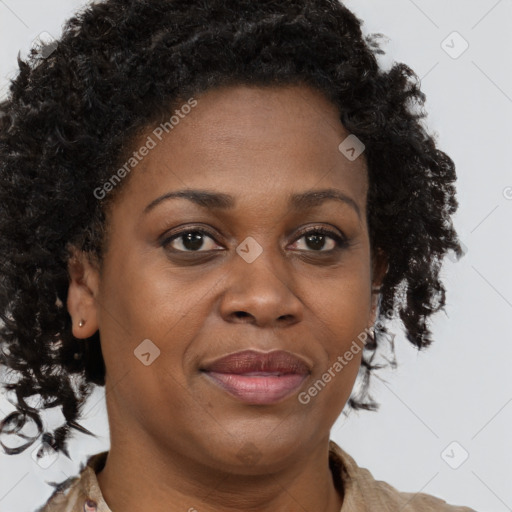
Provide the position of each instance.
(321, 239)
(318, 239)
(190, 240)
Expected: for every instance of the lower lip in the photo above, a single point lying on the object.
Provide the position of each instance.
(264, 389)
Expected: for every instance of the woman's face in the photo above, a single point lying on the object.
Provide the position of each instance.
(253, 280)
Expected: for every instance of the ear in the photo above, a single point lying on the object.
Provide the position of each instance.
(82, 294)
(380, 266)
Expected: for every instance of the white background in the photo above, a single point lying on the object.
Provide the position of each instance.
(460, 389)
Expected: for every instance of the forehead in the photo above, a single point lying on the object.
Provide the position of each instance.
(267, 116)
(259, 141)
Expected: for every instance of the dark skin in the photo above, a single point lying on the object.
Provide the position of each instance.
(176, 439)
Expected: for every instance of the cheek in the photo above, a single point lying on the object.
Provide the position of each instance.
(341, 312)
(143, 298)
(342, 308)
(141, 301)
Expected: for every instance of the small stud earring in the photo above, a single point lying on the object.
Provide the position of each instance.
(81, 323)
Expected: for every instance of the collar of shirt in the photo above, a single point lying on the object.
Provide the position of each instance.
(361, 492)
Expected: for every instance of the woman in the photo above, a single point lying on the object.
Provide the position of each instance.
(212, 209)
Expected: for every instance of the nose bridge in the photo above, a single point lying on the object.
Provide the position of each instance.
(257, 264)
(260, 286)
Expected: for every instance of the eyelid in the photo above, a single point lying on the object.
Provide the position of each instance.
(169, 237)
(339, 237)
(332, 232)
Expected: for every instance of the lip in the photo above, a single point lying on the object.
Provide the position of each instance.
(258, 377)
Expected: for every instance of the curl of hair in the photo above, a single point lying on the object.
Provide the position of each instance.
(121, 66)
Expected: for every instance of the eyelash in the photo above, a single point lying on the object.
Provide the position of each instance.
(340, 240)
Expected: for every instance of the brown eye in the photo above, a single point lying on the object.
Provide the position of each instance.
(191, 240)
(321, 240)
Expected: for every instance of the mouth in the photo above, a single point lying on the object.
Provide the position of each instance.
(258, 377)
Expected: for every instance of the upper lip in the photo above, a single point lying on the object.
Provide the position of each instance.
(252, 361)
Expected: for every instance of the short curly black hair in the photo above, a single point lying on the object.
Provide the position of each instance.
(74, 111)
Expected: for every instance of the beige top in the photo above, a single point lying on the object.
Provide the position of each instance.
(362, 493)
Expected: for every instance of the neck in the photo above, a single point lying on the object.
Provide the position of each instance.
(137, 472)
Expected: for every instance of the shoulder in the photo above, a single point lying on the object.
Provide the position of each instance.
(61, 496)
(363, 492)
(78, 490)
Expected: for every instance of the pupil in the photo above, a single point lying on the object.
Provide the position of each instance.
(315, 239)
(193, 240)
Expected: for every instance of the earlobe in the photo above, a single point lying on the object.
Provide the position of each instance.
(380, 267)
(374, 306)
(82, 293)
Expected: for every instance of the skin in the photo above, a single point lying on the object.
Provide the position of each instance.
(176, 438)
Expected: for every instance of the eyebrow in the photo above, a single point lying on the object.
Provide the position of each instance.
(220, 201)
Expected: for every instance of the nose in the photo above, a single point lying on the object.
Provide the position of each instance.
(262, 293)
